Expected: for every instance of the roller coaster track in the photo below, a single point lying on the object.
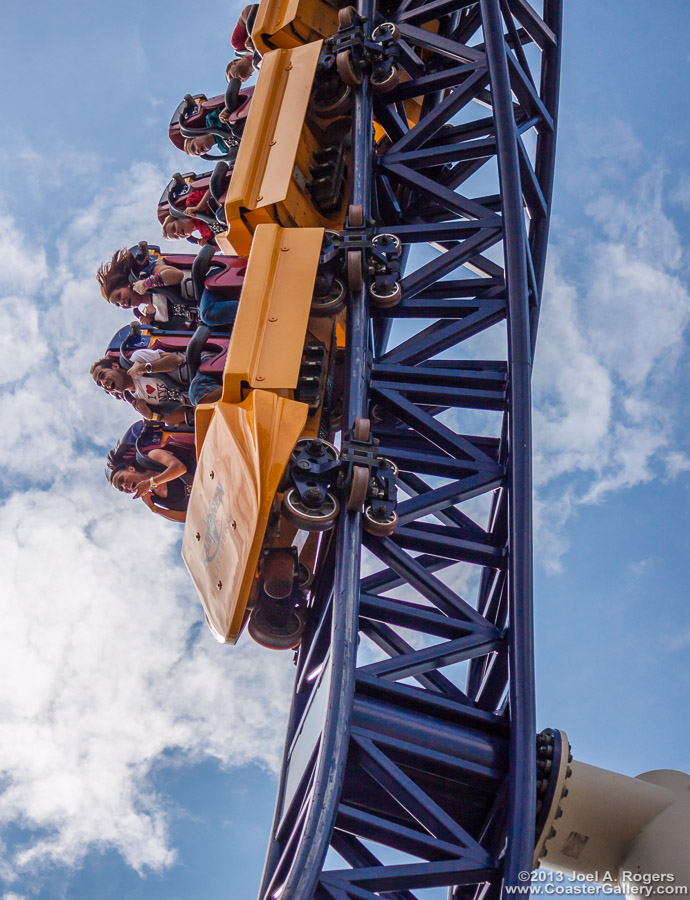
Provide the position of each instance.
(395, 778)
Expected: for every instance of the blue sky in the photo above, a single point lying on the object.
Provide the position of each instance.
(137, 757)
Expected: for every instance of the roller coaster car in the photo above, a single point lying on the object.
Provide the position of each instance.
(189, 119)
(179, 188)
(267, 473)
(292, 164)
(278, 371)
(283, 24)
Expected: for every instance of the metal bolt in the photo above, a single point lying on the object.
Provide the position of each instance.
(284, 249)
(559, 813)
(219, 584)
(211, 474)
(233, 524)
(305, 464)
(288, 67)
(273, 318)
(259, 198)
(197, 536)
(260, 378)
(271, 143)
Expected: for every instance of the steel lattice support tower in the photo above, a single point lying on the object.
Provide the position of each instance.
(411, 780)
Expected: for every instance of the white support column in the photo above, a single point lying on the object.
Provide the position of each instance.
(631, 831)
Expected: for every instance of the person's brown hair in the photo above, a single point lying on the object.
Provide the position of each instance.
(115, 274)
(168, 220)
(105, 362)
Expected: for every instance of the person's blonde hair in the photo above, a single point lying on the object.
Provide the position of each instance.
(167, 221)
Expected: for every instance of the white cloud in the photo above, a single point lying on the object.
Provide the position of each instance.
(611, 350)
(105, 666)
(102, 674)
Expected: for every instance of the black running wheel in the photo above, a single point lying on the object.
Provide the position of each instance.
(379, 527)
(264, 632)
(307, 519)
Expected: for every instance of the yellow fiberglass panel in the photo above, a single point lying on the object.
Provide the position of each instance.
(223, 514)
(245, 451)
(269, 332)
(289, 23)
(265, 164)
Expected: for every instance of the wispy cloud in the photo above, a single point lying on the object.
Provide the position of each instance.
(611, 347)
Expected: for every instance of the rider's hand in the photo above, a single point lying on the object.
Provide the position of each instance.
(143, 490)
(142, 408)
(139, 287)
(137, 369)
(224, 117)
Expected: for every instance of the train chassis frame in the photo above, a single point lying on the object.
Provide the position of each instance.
(426, 785)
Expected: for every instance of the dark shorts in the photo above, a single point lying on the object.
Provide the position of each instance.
(200, 386)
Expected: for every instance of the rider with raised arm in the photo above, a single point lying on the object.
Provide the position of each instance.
(153, 396)
(161, 477)
(122, 285)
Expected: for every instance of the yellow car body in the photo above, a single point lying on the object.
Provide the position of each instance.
(244, 441)
(283, 24)
(271, 173)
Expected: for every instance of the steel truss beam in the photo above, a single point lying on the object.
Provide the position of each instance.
(410, 777)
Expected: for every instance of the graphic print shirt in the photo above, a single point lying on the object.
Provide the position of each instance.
(153, 389)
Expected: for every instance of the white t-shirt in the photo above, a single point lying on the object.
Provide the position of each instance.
(151, 388)
(160, 304)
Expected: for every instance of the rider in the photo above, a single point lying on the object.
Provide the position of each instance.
(156, 398)
(183, 227)
(243, 45)
(164, 483)
(225, 132)
(175, 227)
(117, 287)
(218, 119)
(129, 283)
